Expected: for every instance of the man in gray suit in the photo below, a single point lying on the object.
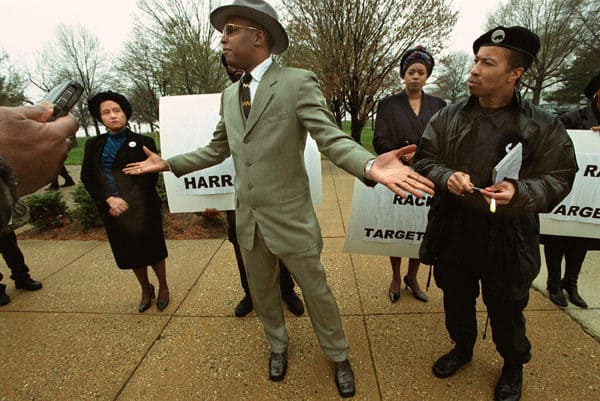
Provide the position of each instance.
(264, 123)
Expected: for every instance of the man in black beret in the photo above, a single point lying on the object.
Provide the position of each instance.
(483, 228)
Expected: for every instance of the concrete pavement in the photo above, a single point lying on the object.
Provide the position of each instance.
(81, 338)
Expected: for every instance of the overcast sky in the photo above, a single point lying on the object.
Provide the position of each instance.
(26, 25)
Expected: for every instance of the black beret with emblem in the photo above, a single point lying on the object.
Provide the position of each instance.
(94, 103)
(592, 87)
(515, 37)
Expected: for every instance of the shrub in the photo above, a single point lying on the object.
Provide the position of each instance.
(47, 209)
(85, 210)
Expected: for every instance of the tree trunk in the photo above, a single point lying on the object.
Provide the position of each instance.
(356, 126)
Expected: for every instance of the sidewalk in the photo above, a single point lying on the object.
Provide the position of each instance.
(81, 338)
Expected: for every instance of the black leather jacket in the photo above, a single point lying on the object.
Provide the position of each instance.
(545, 178)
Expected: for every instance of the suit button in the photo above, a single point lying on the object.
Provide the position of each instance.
(250, 186)
(248, 164)
(253, 207)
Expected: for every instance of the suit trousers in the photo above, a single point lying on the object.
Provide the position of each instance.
(460, 285)
(285, 279)
(307, 270)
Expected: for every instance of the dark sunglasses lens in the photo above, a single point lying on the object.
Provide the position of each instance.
(229, 29)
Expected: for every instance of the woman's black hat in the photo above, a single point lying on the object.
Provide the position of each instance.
(416, 55)
(94, 103)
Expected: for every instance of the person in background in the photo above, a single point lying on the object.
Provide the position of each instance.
(32, 152)
(14, 257)
(573, 249)
(129, 206)
(481, 229)
(64, 173)
(286, 282)
(400, 121)
(265, 120)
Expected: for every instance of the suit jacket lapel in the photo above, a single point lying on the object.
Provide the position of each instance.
(263, 96)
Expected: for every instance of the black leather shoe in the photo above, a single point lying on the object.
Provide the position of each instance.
(143, 305)
(28, 284)
(294, 303)
(448, 364)
(277, 366)
(510, 385)
(394, 296)
(244, 307)
(4, 299)
(344, 378)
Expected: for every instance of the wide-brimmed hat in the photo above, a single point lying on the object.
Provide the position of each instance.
(592, 87)
(94, 103)
(255, 10)
(515, 37)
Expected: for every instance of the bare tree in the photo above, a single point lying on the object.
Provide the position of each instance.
(584, 65)
(73, 54)
(557, 24)
(355, 45)
(451, 81)
(171, 52)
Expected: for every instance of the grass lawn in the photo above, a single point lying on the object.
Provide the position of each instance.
(76, 153)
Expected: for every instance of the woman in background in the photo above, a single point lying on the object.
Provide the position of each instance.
(400, 121)
(573, 249)
(129, 205)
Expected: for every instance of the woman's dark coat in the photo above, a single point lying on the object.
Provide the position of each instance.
(136, 237)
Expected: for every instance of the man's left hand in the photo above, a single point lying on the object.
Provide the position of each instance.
(503, 192)
(401, 179)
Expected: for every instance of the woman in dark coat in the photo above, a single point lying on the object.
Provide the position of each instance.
(129, 205)
(573, 249)
(400, 121)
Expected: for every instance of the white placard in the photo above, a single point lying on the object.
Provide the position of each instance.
(578, 215)
(188, 122)
(382, 223)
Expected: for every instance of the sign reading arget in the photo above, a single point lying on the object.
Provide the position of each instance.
(186, 123)
(382, 223)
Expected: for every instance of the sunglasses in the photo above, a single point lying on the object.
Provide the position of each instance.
(228, 29)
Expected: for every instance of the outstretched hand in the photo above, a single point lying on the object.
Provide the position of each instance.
(153, 164)
(401, 179)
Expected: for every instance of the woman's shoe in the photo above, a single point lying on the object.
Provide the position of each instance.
(418, 295)
(144, 306)
(162, 304)
(573, 293)
(394, 296)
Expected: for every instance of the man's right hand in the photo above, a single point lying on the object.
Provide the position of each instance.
(33, 148)
(153, 164)
(460, 182)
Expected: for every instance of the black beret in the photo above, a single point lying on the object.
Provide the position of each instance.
(592, 87)
(515, 38)
(94, 103)
(417, 55)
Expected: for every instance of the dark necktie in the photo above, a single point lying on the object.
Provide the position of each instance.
(245, 94)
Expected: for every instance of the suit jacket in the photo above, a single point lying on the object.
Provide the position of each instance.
(271, 183)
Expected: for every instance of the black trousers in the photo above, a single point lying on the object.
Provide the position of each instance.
(286, 282)
(460, 285)
(13, 256)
